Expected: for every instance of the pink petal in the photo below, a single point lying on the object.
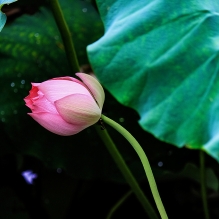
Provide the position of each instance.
(94, 86)
(78, 109)
(43, 105)
(33, 94)
(57, 89)
(68, 78)
(28, 102)
(54, 123)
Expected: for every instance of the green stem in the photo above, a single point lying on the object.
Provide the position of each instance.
(126, 172)
(203, 184)
(66, 35)
(118, 204)
(144, 161)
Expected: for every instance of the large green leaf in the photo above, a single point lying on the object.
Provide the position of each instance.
(2, 15)
(161, 58)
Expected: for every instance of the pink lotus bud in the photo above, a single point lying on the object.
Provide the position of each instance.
(65, 105)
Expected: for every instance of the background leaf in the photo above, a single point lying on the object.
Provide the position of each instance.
(161, 58)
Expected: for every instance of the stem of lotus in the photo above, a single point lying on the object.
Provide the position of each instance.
(130, 179)
(144, 161)
(118, 204)
(66, 35)
(203, 184)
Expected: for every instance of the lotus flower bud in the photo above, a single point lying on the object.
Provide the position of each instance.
(66, 105)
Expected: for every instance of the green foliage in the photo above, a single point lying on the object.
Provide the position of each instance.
(161, 58)
(2, 15)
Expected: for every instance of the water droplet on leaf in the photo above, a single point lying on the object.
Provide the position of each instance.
(84, 10)
(12, 84)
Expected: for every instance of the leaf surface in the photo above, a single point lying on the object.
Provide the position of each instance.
(161, 58)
